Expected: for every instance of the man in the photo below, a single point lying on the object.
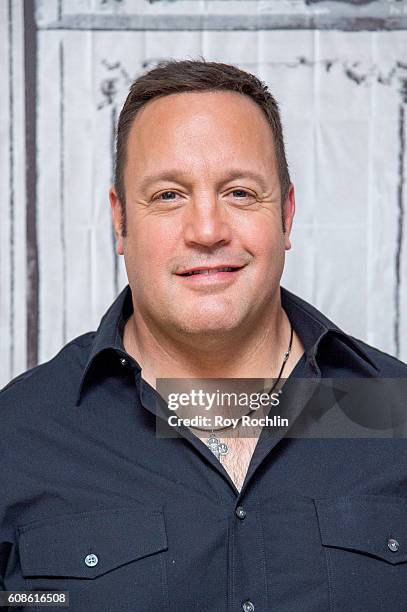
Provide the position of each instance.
(94, 502)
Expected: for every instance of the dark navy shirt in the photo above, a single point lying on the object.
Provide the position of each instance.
(94, 503)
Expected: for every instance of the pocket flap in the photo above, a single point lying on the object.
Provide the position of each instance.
(89, 544)
(372, 524)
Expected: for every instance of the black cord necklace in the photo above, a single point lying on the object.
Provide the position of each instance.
(221, 448)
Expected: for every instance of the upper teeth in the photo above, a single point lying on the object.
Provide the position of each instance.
(209, 271)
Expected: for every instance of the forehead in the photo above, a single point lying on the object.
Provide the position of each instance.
(198, 130)
(198, 115)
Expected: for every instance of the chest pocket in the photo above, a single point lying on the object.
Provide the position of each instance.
(107, 559)
(364, 539)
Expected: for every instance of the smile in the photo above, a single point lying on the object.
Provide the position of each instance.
(210, 271)
(211, 276)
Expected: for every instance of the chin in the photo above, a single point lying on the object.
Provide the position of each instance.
(207, 324)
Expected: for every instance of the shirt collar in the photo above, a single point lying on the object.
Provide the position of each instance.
(309, 323)
(312, 326)
(108, 338)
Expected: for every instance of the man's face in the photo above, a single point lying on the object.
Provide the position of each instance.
(202, 191)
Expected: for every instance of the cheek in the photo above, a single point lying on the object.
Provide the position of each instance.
(264, 240)
(153, 245)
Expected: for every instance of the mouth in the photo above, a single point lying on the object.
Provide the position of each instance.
(210, 276)
(211, 271)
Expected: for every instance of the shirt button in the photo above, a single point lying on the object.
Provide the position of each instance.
(240, 512)
(393, 545)
(248, 606)
(124, 362)
(91, 560)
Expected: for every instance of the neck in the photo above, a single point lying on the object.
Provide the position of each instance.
(249, 353)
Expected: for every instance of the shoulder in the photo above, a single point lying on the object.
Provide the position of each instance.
(385, 364)
(50, 380)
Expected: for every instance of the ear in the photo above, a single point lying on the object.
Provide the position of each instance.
(288, 213)
(117, 217)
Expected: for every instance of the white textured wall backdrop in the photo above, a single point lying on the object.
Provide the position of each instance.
(339, 71)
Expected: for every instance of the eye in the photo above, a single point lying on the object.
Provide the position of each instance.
(240, 191)
(241, 195)
(162, 196)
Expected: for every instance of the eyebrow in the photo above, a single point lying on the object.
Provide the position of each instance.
(179, 175)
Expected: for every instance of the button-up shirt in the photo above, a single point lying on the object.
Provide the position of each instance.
(93, 502)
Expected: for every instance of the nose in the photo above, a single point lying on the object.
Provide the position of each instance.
(205, 222)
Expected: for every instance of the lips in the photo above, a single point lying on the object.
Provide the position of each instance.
(211, 270)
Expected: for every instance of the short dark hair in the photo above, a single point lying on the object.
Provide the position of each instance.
(176, 76)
